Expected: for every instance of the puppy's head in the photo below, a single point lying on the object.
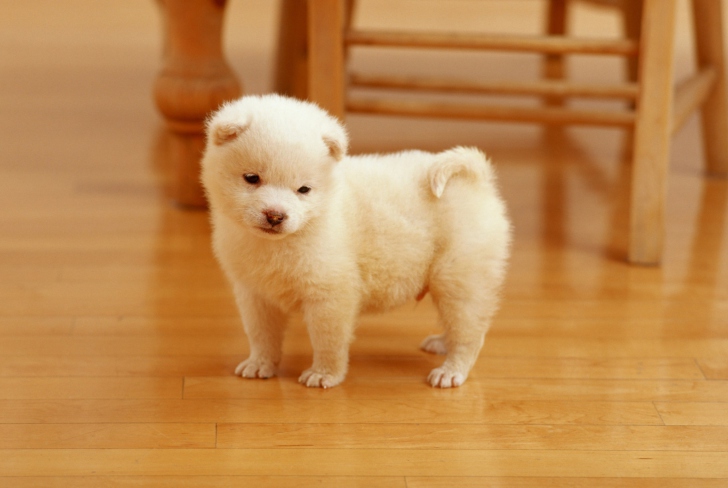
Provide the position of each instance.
(269, 163)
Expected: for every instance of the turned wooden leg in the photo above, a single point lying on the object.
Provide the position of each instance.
(708, 21)
(194, 80)
(326, 54)
(652, 132)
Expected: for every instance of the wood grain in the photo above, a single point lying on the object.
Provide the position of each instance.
(326, 54)
(545, 44)
(542, 88)
(481, 111)
(353, 481)
(380, 366)
(689, 413)
(714, 368)
(93, 387)
(358, 462)
(472, 482)
(652, 132)
(318, 408)
(107, 436)
(209, 481)
(710, 52)
(531, 389)
(472, 436)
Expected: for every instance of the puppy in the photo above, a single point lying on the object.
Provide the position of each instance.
(300, 226)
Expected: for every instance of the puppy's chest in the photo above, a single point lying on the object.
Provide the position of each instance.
(281, 279)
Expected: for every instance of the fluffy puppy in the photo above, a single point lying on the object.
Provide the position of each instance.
(300, 226)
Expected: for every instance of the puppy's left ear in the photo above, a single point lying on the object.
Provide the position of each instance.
(222, 132)
(336, 140)
(229, 121)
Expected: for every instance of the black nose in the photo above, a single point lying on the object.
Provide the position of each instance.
(274, 218)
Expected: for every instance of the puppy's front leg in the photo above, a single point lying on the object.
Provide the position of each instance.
(264, 325)
(330, 327)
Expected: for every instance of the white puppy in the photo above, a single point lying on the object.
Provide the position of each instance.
(301, 226)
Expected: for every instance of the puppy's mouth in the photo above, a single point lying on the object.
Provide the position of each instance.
(272, 231)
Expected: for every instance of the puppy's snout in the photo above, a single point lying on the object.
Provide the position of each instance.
(274, 217)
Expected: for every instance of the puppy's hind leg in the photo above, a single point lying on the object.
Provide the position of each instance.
(466, 301)
(462, 340)
(264, 325)
(435, 344)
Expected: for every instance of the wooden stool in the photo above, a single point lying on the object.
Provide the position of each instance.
(311, 65)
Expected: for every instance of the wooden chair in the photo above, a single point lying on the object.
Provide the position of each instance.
(195, 79)
(312, 65)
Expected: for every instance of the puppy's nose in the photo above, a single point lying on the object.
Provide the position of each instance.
(273, 217)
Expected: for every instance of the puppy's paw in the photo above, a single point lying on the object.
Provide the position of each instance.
(434, 344)
(446, 377)
(256, 368)
(317, 379)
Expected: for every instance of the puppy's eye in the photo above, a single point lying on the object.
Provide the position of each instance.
(251, 178)
(304, 189)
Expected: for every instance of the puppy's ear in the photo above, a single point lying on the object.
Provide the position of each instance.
(228, 122)
(336, 150)
(222, 132)
(336, 140)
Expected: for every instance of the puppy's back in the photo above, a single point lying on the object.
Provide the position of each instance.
(410, 178)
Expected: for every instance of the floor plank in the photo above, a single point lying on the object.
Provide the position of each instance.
(714, 368)
(384, 367)
(513, 346)
(315, 408)
(493, 389)
(105, 387)
(359, 462)
(208, 481)
(686, 413)
(107, 436)
(353, 482)
(444, 482)
(473, 436)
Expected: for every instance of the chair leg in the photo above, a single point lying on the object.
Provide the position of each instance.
(652, 132)
(708, 22)
(632, 24)
(326, 54)
(194, 80)
(553, 67)
(292, 55)
(555, 26)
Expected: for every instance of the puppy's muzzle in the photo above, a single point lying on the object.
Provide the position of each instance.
(273, 217)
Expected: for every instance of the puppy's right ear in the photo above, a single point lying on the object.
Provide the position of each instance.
(221, 132)
(335, 139)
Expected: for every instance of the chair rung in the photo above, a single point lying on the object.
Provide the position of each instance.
(542, 88)
(549, 115)
(691, 94)
(542, 44)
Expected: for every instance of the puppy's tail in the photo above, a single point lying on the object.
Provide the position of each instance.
(461, 161)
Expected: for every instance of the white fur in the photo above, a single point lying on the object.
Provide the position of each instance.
(372, 233)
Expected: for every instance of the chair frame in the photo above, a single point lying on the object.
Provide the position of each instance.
(657, 112)
(314, 35)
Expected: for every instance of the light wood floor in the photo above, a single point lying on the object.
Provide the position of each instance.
(118, 334)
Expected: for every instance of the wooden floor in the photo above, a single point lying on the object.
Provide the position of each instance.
(119, 336)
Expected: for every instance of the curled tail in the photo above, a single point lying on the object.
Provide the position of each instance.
(465, 161)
